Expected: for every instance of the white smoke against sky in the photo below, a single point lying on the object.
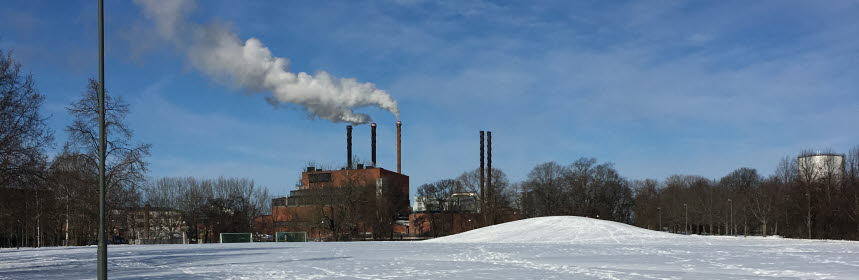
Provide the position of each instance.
(249, 65)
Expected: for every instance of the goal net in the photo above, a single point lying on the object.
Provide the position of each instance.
(236, 237)
(299, 236)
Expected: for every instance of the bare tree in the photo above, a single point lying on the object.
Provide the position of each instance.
(611, 196)
(583, 188)
(647, 211)
(24, 136)
(503, 197)
(762, 201)
(544, 189)
(740, 183)
(125, 163)
(335, 202)
(72, 182)
(851, 184)
(577, 193)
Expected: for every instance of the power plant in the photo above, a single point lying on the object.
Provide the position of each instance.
(357, 200)
(368, 201)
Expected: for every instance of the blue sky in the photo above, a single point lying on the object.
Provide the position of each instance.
(658, 88)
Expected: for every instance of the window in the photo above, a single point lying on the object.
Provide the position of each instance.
(319, 177)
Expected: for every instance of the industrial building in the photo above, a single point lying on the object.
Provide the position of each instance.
(356, 201)
(365, 201)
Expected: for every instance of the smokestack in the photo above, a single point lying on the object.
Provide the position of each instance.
(348, 147)
(482, 172)
(489, 188)
(373, 143)
(399, 147)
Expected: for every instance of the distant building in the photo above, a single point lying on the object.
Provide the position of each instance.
(149, 225)
(445, 215)
(463, 202)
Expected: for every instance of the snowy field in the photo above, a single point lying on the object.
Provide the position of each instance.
(540, 248)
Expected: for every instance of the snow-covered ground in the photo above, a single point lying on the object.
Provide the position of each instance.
(540, 248)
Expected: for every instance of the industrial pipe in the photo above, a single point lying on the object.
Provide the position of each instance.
(399, 147)
(348, 147)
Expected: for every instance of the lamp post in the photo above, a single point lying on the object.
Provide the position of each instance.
(659, 211)
(731, 209)
(686, 212)
(102, 239)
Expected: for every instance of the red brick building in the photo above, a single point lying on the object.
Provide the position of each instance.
(346, 203)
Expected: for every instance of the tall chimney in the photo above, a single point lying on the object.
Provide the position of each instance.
(399, 147)
(373, 143)
(490, 189)
(482, 172)
(348, 147)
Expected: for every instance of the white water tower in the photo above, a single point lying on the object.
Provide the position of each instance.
(820, 166)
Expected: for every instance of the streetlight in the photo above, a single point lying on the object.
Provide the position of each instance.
(659, 210)
(731, 208)
(686, 211)
(102, 151)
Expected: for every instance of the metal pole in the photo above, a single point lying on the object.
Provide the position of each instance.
(102, 241)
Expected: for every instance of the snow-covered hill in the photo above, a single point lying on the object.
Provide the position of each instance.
(560, 229)
(540, 248)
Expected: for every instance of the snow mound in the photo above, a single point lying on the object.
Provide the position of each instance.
(560, 229)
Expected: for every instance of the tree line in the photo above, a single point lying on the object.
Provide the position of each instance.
(583, 188)
(52, 200)
(808, 196)
(802, 199)
(210, 206)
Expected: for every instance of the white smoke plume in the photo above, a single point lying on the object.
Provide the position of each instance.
(217, 51)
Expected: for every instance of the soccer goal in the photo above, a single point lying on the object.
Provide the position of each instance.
(236, 237)
(299, 236)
